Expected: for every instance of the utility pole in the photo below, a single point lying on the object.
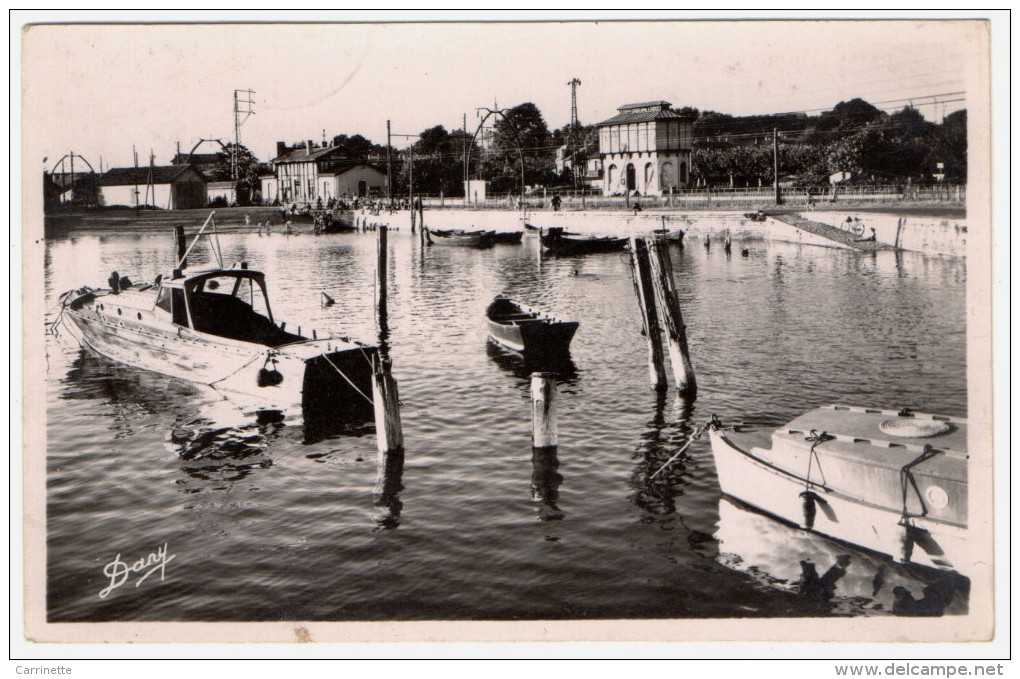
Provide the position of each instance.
(241, 105)
(775, 161)
(389, 165)
(573, 128)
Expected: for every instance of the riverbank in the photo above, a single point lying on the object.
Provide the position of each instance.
(931, 229)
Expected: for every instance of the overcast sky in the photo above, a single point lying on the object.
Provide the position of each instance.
(98, 89)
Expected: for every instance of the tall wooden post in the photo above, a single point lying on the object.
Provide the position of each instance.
(410, 186)
(182, 247)
(380, 273)
(544, 432)
(386, 403)
(642, 276)
(672, 319)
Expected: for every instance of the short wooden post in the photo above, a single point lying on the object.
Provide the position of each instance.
(414, 215)
(386, 403)
(727, 244)
(642, 276)
(544, 433)
(672, 319)
(380, 273)
(899, 230)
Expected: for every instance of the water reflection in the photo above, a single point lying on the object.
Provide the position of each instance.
(832, 577)
(390, 472)
(522, 365)
(545, 483)
(660, 473)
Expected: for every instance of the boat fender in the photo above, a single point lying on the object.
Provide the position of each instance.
(809, 503)
(269, 376)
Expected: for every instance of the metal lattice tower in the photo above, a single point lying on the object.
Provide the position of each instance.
(573, 126)
(243, 103)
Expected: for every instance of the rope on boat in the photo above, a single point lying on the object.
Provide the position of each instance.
(908, 481)
(348, 380)
(816, 439)
(694, 437)
(255, 358)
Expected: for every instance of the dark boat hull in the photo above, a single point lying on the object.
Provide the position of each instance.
(556, 243)
(525, 330)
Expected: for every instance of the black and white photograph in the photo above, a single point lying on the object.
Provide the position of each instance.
(671, 330)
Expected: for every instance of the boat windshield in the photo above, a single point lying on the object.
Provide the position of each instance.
(234, 304)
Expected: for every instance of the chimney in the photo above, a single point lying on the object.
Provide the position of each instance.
(308, 146)
(281, 148)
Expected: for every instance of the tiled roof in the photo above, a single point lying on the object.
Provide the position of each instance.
(645, 104)
(625, 117)
(301, 154)
(161, 174)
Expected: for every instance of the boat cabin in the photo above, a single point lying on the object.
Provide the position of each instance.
(230, 303)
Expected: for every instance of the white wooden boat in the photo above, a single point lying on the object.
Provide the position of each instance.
(890, 481)
(215, 326)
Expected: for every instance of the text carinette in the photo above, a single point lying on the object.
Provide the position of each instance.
(120, 571)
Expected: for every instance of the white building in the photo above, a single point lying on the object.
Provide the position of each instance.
(309, 173)
(646, 148)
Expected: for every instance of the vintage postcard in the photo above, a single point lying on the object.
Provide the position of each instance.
(507, 331)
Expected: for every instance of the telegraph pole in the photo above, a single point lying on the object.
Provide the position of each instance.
(775, 161)
(389, 165)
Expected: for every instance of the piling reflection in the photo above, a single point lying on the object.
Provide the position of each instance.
(832, 577)
(389, 476)
(545, 483)
(660, 473)
(522, 365)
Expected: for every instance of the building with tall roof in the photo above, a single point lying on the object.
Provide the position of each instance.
(646, 147)
(308, 173)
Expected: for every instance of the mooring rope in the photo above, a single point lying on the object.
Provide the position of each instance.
(694, 437)
(347, 379)
(813, 456)
(907, 480)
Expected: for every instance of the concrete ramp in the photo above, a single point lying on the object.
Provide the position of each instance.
(837, 236)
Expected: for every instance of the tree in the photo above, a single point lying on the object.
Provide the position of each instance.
(521, 132)
(247, 166)
(438, 163)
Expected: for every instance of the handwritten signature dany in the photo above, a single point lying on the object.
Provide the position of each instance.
(119, 571)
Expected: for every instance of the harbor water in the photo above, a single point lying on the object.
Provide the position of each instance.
(267, 521)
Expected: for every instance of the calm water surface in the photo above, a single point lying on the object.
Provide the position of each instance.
(268, 523)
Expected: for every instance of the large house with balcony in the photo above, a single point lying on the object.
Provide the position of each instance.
(645, 147)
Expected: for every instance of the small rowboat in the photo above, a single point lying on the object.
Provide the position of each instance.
(894, 482)
(526, 330)
(557, 242)
(460, 237)
(531, 229)
(676, 237)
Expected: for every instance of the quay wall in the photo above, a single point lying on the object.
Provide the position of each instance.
(927, 234)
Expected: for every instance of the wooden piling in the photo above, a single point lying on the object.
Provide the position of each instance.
(380, 273)
(544, 433)
(672, 319)
(899, 230)
(386, 403)
(727, 244)
(642, 276)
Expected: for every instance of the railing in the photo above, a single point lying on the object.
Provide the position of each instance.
(947, 194)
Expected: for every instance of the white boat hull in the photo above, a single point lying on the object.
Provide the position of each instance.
(756, 482)
(236, 368)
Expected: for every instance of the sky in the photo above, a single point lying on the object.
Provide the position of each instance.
(98, 90)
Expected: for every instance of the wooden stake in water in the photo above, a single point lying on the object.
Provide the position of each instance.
(544, 433)
(672, 319)
(380, 273)
(386, 402)
(642, 275)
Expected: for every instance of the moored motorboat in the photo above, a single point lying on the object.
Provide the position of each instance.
(894, 482)
(215, 326)
(556, 241)
(670, 236)
(527, 330)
